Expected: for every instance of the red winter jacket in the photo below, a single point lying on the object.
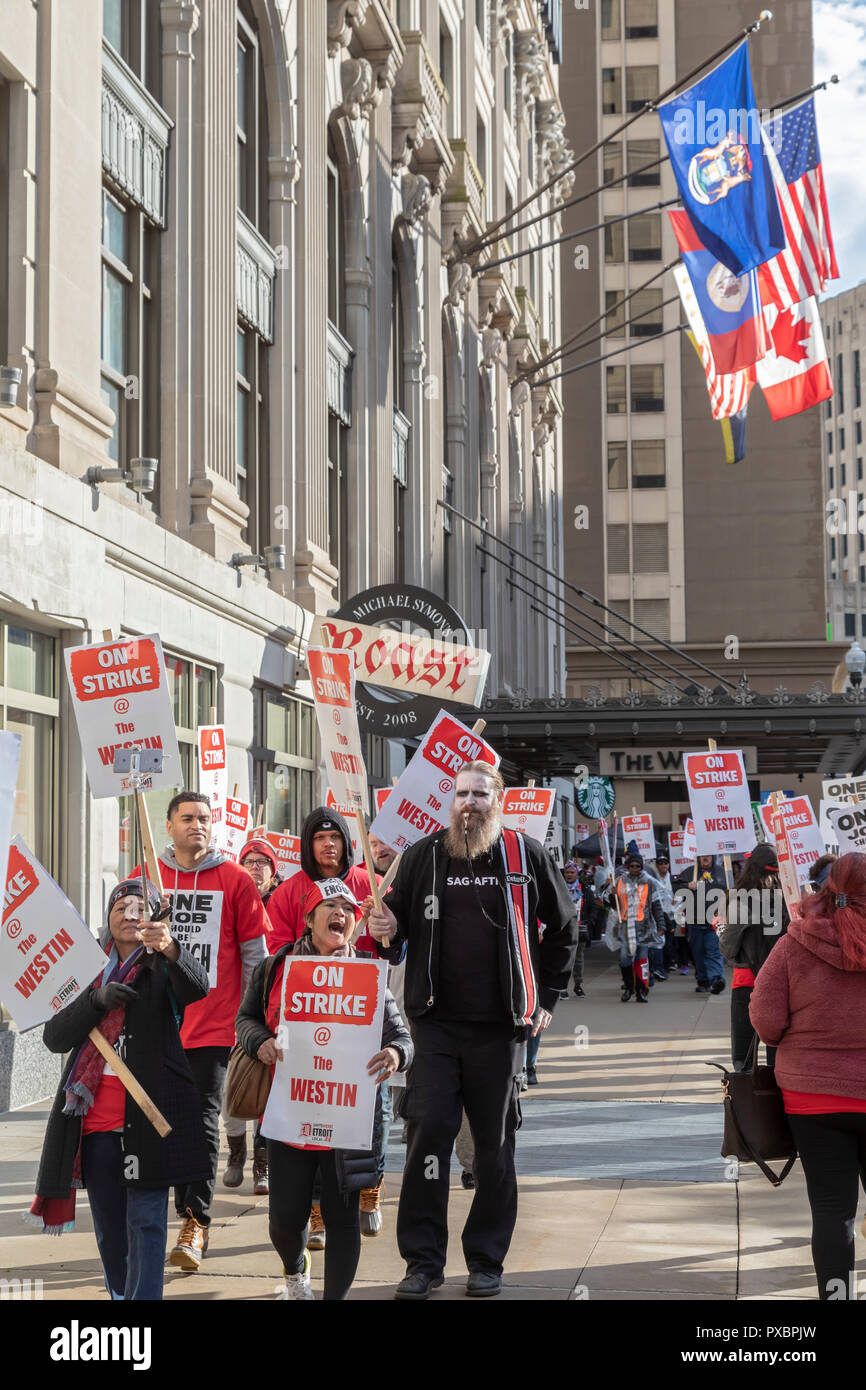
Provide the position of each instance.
(809, 1006)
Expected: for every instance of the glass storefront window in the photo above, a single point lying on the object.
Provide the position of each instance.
(30, 662)
(31, 816)
(286, 767)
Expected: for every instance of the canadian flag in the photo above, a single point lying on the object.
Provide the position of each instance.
(795, 374)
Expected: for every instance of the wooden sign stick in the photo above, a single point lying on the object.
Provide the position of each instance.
(726, 858)
(530, 781)
(390, 874)
(213, 714)
(260, 818)
(787, 876)
(368, 859)
(137, 1091)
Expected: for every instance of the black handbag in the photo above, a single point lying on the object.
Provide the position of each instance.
(756, 1126)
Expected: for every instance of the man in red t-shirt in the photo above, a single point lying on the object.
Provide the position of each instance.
(218, 915)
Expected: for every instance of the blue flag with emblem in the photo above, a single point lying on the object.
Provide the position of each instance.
(713, 135)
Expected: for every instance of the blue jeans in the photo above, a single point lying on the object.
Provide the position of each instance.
(532, 1046)
(708, 957)
(130, 1223)
(387, 1115)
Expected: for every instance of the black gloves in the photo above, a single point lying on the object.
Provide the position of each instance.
(113, 996)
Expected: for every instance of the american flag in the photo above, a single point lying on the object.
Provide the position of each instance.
(808, 262)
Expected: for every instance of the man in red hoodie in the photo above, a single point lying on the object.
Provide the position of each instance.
(218, 915)
(326, 852)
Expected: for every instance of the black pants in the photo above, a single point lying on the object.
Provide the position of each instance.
(460, 1065)
(742, 1032)
(832, 1151)
(292, 1174)
(208, 1066)
(577, 971)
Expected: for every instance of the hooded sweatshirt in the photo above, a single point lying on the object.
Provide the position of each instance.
(286, 907)
(811, 1006)
(218, 915)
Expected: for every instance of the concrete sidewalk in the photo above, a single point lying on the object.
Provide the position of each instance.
(623, 1194)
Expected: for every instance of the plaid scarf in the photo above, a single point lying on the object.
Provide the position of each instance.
(57, 1214)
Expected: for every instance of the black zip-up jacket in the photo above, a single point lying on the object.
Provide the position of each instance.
(154, 1055)
(416, 899)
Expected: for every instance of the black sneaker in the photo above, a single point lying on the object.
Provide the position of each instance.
(718, 985)
(702, 989)
(579, 993)
(467, 1180)
(531, 1078)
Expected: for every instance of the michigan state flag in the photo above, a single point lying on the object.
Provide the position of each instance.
(713, 135)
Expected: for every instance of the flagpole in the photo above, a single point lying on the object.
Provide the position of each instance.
(478, 243)
(570, 236)
(526, 372)
(626, 323)
(640, 342)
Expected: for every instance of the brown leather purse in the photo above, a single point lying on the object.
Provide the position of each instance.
(248, 1081)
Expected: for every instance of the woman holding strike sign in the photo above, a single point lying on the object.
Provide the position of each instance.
(97, 1137)
(329, 920)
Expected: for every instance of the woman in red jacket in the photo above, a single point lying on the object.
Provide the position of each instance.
(809, 1002)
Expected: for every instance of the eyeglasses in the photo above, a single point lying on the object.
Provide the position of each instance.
(251, 863)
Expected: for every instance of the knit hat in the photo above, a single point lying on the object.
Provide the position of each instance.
(131, 888)
(633, 858)
(259, 846)
(764, 857)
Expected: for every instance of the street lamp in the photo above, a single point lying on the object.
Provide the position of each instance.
(855, 660)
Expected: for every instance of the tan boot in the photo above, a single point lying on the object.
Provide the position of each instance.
(191, 1244)
(316, 1238)
(234, 1173)
(371, 1214)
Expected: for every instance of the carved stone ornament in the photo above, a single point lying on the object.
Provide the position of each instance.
(519, 396)
(417, 194)
(359, 90)
(491, 346)
(343, 17)
(459, 282)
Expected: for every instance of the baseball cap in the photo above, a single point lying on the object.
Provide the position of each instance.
(326, 888)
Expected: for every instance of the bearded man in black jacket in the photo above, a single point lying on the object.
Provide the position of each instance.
(480, 979)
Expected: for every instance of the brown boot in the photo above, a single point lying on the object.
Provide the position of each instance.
(191, 1244)
(234, 1173)
(260, 1172)
(316, 1236)
(371, 1214)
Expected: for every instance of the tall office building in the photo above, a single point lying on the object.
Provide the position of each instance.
(844, 320)
(726, 561)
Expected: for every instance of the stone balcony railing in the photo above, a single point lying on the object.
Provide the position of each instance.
(340, 355)
(402, 428)
(255, 269)
(418, 114)
(135, 132)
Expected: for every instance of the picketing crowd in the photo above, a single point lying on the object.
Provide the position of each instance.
(483, 934)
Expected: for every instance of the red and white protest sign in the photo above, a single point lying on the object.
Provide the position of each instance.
(420, 665)
(528, 809)
(582, 831)
(10, 752)
(419, 803)
(47, 954)
(333, 678)
(805, 841)
(331, 1011)
(348, 814)
(381, 794)
(121, 699)
(237, 821)
(213, 775)
(720, 802)
(640, 829)
(287, 848)
(690, 847)
(675, 850)
(788, 876)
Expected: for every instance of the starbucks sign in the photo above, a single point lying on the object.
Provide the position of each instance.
(595, 797)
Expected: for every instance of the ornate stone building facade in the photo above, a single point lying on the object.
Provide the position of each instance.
(236, 242)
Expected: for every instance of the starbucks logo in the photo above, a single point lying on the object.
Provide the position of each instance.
(595, 797)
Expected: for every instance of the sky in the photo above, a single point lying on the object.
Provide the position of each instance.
(840, 46)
